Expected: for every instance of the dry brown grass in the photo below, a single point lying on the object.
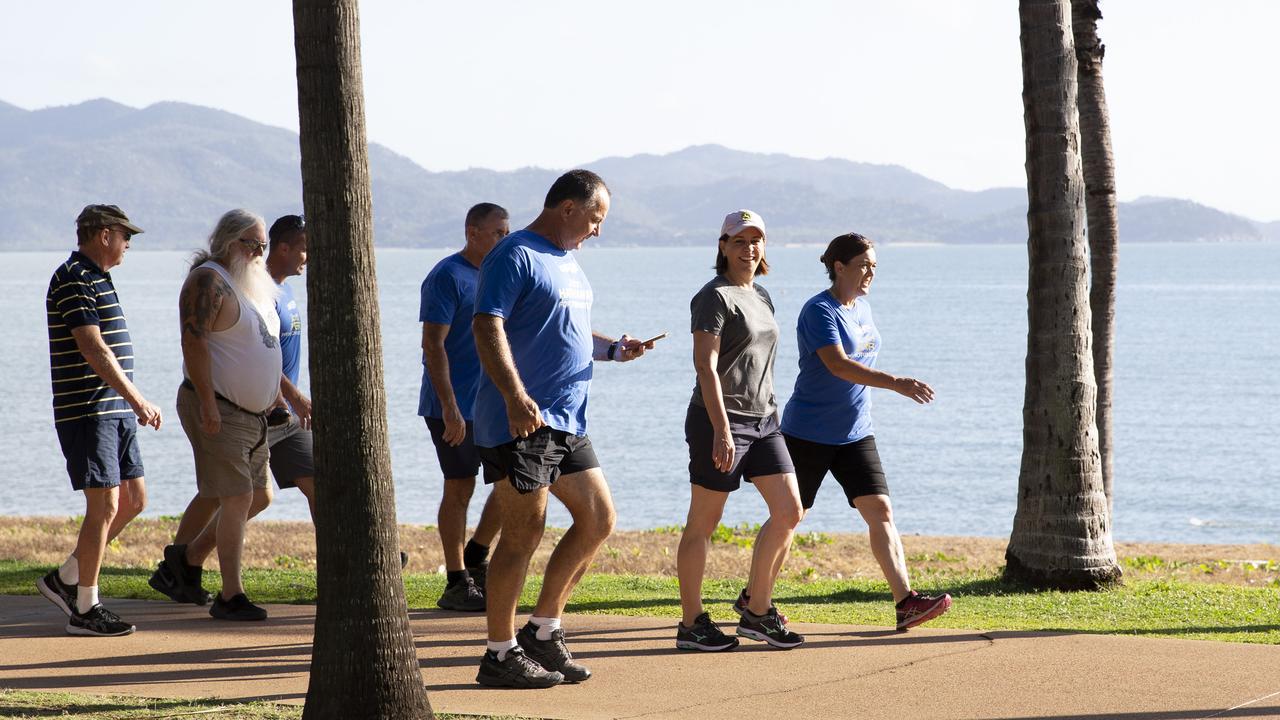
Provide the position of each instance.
(46, 540)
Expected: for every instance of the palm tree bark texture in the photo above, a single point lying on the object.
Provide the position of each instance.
(1100, 207)
(363, 663)
(1062, 531)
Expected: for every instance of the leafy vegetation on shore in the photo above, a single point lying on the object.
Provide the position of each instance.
(1158, 608)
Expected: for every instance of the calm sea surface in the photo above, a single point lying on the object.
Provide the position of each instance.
(1197, 406)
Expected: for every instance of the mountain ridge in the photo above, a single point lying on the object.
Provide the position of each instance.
(175, 167)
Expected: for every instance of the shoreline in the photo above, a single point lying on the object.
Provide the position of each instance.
(290, 544)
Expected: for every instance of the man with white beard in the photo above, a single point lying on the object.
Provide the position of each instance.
(231, 368)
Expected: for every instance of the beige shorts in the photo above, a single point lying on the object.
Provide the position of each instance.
(232, 462)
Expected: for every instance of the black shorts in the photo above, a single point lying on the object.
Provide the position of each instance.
(100, 453)
(758, 449)
(461, 462)
(855, 465)
(536, 461)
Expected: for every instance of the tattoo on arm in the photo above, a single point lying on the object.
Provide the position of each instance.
(200, 302)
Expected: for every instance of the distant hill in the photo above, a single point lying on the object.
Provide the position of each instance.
(176, 167)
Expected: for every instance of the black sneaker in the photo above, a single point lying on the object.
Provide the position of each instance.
(768, 628)
(517, 671)
(740, 606)
(180, 581)
(98, 622)
(58, 592)
(705, 635)
(478, 573)
(463, 596)
(237, 608)
(163, 582)
(404, 559)
(551, 654)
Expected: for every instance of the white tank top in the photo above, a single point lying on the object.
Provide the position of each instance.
(245, 358)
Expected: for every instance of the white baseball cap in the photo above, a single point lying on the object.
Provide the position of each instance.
(739, 220)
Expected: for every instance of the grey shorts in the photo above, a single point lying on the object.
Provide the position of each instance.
(291, 451)
(232, 462)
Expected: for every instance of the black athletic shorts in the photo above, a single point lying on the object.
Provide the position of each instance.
(758, 449)
(538, 460)
(855, 465)
(461, 462)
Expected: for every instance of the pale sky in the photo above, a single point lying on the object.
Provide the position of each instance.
(932, 86)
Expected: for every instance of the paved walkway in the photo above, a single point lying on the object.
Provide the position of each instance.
(842, 671)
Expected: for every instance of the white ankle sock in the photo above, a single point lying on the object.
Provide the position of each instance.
(69, 573)
(86, 598)
(546, 626)
(501, 648)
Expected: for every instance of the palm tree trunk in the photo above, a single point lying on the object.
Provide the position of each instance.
(363, 663)
(1100, 206)
(1061, 532)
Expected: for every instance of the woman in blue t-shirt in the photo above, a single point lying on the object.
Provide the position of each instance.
(827, 421)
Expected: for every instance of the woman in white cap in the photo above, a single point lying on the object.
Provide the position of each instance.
(827, 422)
(733, 432)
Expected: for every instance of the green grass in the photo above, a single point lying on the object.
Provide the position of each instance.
(27, 704)
(1152, 608)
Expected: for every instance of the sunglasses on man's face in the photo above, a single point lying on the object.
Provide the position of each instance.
(256, 245)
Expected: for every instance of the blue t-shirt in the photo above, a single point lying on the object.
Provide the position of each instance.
(823, 408)
(290, 332)
(448, 298)
(544, 299)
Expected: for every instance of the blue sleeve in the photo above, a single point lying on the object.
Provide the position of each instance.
(818, 327)
(439, 298)
(74, 300)
(503, 279)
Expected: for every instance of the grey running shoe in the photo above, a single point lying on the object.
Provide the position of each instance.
(516, 671)
(917, 609)
(768, 628)
(237, 608)
(463, 596)
(705, 635)
(98, 622)
(551, 654)
(58, 592)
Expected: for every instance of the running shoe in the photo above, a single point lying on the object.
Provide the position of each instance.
(58, 592)
(479, 573)
(705, 635)
(740, 606)
(516, 671)
(98, 622)
(551, 654)
(237, 608)
(768, 628)
(916, 609)
(463, 596)
(162, 581)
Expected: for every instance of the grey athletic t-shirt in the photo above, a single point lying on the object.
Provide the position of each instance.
(743, 319)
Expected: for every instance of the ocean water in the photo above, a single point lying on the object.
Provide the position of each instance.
(1197, 406)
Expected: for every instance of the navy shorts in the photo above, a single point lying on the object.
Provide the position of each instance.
(100, 453)
(538, 460)
(456, 463)
(855, 465)
(758, 449)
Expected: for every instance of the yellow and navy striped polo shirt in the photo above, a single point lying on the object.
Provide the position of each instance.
(80, 293)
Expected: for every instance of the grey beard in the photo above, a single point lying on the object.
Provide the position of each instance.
(252, 279)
